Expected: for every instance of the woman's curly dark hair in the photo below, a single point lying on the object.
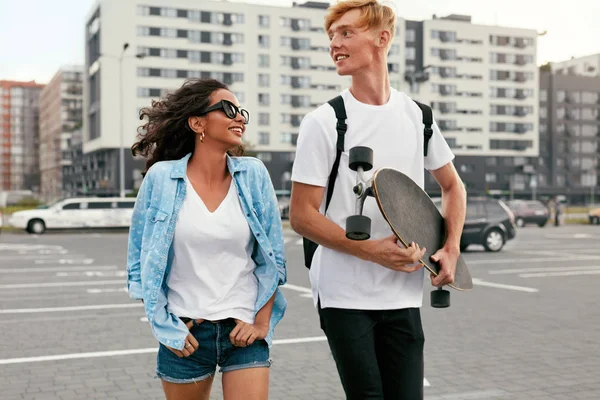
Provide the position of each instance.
(166, 134)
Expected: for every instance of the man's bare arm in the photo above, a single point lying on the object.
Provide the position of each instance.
(454, 203)
(307, 221)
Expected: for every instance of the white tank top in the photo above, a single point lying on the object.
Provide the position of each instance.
(212, 275)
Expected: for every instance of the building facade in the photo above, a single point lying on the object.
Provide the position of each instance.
(569, 134)
(19, 136)
(60, 115)
(482, 82)
(275, 59)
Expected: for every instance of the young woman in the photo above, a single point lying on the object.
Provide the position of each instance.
(206, 245)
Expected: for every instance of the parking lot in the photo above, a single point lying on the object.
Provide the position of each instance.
(528, 330)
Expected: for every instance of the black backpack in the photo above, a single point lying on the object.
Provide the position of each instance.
(340, 113)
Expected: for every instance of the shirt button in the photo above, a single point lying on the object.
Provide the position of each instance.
(258, 234)
(247, 215)
(271, 254)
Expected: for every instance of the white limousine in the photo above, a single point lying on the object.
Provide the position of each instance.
(76, 213)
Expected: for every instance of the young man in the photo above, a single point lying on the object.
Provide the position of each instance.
(367, 292)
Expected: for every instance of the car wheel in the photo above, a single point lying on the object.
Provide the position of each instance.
(542, 224)
(494, 240)
(520, 222)
(463, 247)
(36, 226)
(596, 220)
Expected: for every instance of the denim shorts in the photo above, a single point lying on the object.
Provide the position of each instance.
(214, 348)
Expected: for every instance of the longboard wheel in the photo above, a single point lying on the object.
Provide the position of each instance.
(440, 298)
(358, 227)
(361, 156)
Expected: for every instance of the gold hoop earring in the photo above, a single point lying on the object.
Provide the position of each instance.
(201, 137)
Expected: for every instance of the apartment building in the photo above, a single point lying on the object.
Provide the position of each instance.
(581, 66)
(19, 136)
(275, 59)
(61, 104)
(482, 82)
(569, 134)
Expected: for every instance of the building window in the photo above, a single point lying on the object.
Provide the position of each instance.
(543, 95)
(264, 99)
(411, 36)
(264, 157)
(560, 96)
(589, 97)
(263, 80)
(263, 119)
(490, 177)
(264, 21)
(264, 60)
(410, 53)
(263, 41)
(240, 96)
(263, 138)
(285, 137)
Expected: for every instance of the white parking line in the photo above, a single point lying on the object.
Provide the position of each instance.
(546, 269)
(88, 273)
(54, 269)
(563, 273)
(480, 282)
(72, 308)
(297, 288)
(60, 357)
(523, 261)
(19, 247)
(62, 261)
(59, 284)
(40, 257)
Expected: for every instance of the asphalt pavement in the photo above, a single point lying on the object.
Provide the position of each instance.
(528, 330)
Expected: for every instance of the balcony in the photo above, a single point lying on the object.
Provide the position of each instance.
(446, 91)
(519, 112)
(520, 95)
(520, 78)
(520, 129)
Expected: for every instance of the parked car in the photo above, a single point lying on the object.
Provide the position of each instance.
(489, 222)
(594, 216)
(529, 212)
(76, 213)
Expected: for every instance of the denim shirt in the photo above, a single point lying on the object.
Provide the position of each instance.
(150, 252)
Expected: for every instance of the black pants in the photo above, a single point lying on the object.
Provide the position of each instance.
(379, 354)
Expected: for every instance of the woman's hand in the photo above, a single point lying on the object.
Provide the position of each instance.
(191, 344)
(245, 334)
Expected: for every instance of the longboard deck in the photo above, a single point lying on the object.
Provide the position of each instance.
(413, 217)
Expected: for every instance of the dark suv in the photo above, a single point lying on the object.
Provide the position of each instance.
(489, 222)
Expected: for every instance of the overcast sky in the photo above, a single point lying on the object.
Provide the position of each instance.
(38, 36)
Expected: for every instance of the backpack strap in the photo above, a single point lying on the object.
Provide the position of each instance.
(337, 104)
(428, 122)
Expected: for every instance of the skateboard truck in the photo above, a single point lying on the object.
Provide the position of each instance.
(358, 226)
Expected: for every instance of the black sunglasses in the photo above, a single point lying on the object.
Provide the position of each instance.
(230, 110)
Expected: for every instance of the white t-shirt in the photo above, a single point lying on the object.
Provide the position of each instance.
(395, 133)
(212, 275)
